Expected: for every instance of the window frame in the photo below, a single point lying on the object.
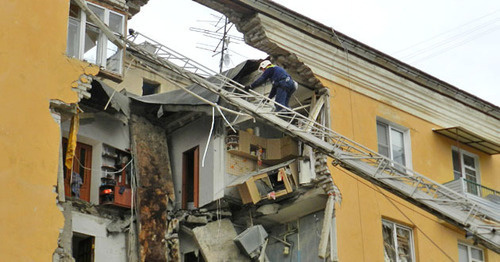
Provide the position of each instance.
(469, 253)
(406, 140)
(461, 153)
(395, 226)
(102, 42)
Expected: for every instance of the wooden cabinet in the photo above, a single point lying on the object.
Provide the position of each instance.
(116, 173)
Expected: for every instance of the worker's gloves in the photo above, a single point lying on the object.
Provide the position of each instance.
(247, 88)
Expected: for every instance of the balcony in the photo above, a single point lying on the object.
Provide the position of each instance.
(471, 189)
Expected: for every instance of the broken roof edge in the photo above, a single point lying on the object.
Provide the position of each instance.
(116, 99)
(247, 9)
(182, 97)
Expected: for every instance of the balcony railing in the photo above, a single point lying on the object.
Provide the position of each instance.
(462, 185)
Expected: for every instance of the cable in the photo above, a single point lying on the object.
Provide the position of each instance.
(443, 33)
(114, 172)
(209, 137)
(409, 219)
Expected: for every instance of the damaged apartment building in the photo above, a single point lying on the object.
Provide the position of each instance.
(165, 170)
(161, 159)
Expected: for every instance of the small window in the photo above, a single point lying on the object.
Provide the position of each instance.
(150, 87)
(398, 242)
(83, 247)
(468, 253)
(394, 142)
(88, 43)
(466, 167)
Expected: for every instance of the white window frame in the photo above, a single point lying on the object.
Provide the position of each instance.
(395, 226)
(406, 140)
(469, 253)
(461, 153)
(103, 40)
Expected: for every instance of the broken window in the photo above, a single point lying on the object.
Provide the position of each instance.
(150, 87)
(190, 178)
(393, 142)
(83, 247)
(468, 253)
(398, 242)
(87, 42)
(77, 180)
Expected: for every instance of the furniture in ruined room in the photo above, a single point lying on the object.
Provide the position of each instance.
(262, 164)
(115, 182)
(247, 152)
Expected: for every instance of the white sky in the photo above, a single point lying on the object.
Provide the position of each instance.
(456, 41)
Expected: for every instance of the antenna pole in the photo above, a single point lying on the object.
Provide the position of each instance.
(221, 64)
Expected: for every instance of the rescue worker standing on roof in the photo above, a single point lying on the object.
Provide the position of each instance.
(283, 84)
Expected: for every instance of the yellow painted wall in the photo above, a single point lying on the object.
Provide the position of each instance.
(33, 70)
(363, 205)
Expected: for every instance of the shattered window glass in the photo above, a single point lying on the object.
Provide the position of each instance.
(90, 52)
(389, 245)
(398, 242)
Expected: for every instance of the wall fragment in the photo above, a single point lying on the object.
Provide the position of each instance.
(155, 189)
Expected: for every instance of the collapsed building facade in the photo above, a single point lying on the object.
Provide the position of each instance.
(169, 163)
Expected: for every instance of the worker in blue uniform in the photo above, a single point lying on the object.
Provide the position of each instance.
(283, 84)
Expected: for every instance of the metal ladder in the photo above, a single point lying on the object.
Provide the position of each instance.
(437, 199)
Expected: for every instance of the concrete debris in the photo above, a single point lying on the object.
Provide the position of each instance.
(268, 209)
(216, 241)
(118, 226)
(197, 220)
(82, 86)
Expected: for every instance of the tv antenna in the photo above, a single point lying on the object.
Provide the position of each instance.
(220, 32)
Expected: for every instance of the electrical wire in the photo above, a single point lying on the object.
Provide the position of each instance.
(443, 33)
(453, 41)
(209, 137)
(409, 219)
(107, 172)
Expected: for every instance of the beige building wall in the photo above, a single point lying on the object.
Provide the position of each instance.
(359, 218)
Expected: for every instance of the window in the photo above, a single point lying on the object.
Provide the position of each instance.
(190, 177)
(468, 253)
(394, 142)
(465, 166)
(87, 42)
(398, 242)
(150, 87)
(83, 247)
